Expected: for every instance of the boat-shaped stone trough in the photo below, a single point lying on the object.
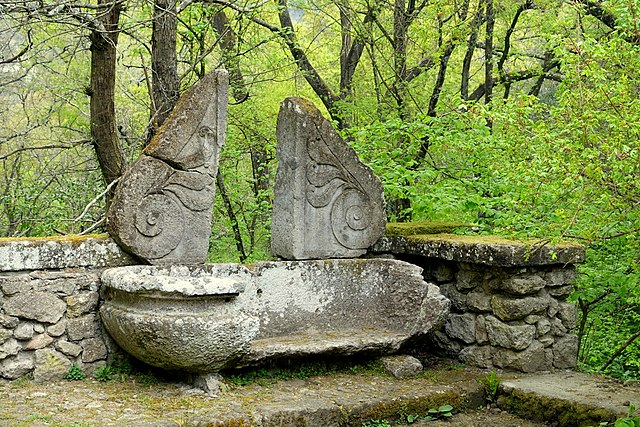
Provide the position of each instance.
(204, 318)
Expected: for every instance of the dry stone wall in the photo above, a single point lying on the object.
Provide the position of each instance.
(509, 306)
(49, 297)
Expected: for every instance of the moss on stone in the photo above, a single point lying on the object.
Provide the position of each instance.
(423, 227)
(73, 238)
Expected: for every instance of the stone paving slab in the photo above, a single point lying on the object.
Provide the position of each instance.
(569, 398)
(564, 399)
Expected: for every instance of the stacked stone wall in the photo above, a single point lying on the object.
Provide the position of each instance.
(49, 297)
(516, 318)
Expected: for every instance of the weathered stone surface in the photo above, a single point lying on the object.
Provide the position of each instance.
(9, 322)
(458, 299)
(402, 366)
(40, 306)
(462, 327)
(93, 349)
(543, 327)
(50, 365)
(481, 330)
(287, 309)
(523, 285)
(557, 327)
(57, 329)
(24, 331)
(61, 252)
(162, 208)
(517, 337)
(565, 352)
(468, 279)
(533, 359)
(5, 334)
(38, 342)
(9, 348)
(327, 204)
(15, 367)
(480, 356)
(508, 308)
(568, 313)
(68, 348)
(81, 303)
(484, 250)
(561, 276)
(38, 328)
(479, 301)
(86, 326)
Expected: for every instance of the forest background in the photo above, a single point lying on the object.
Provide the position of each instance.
(520, 116)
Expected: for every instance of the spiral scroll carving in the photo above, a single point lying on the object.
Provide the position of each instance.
(160, 220)
(351, 220)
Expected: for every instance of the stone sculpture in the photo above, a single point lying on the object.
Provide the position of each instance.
(161, 212)
(327, 204)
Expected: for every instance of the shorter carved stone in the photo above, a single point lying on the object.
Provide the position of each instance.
(327, 204)
(162, 208)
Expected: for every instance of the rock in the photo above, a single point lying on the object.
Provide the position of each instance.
(24, 331)
(458, 299)
(568, 313)
(86, 326)
(9, 348)
(81, 303)
(543, 327)
(15, 367)
(480, 356)
(57, 329)
(481, 330)
(561, 276)
(50, 365)
(462, 327)
(507, 308)
(93, 349)
(516, 337)
(557, 327)
(38, 328)
(5, 334)
(68, 348)
(565, 352)
(479, 301)
(35, 305)
(38, 342)
(211, 384)
(327, 204)
(402, 366)
(523, 285)
(468, 279)
(533, 359)
(162, 208)
(9, 322)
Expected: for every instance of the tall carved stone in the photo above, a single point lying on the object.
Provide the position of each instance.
(162, 208)
(327, 204)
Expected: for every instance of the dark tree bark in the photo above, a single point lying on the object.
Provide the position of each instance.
(488, 52)
(104, 135)
(228, 42)
(164, 62)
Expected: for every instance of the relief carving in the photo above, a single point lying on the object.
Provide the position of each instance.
(327, 203)
(162, 208)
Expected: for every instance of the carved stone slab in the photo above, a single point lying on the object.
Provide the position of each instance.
(327, 204)
(162, 208)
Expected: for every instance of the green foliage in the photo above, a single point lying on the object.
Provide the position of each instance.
(629, 421)
(491, 383)
(75, 373)
(118, 368)
(444, 411)
(377, 423)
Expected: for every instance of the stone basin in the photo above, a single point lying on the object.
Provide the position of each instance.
(209, 317)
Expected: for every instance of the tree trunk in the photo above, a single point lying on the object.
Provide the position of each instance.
(164, 62)
(104, 135)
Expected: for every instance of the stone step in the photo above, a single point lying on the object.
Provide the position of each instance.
(340, 400)
(569, 398)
